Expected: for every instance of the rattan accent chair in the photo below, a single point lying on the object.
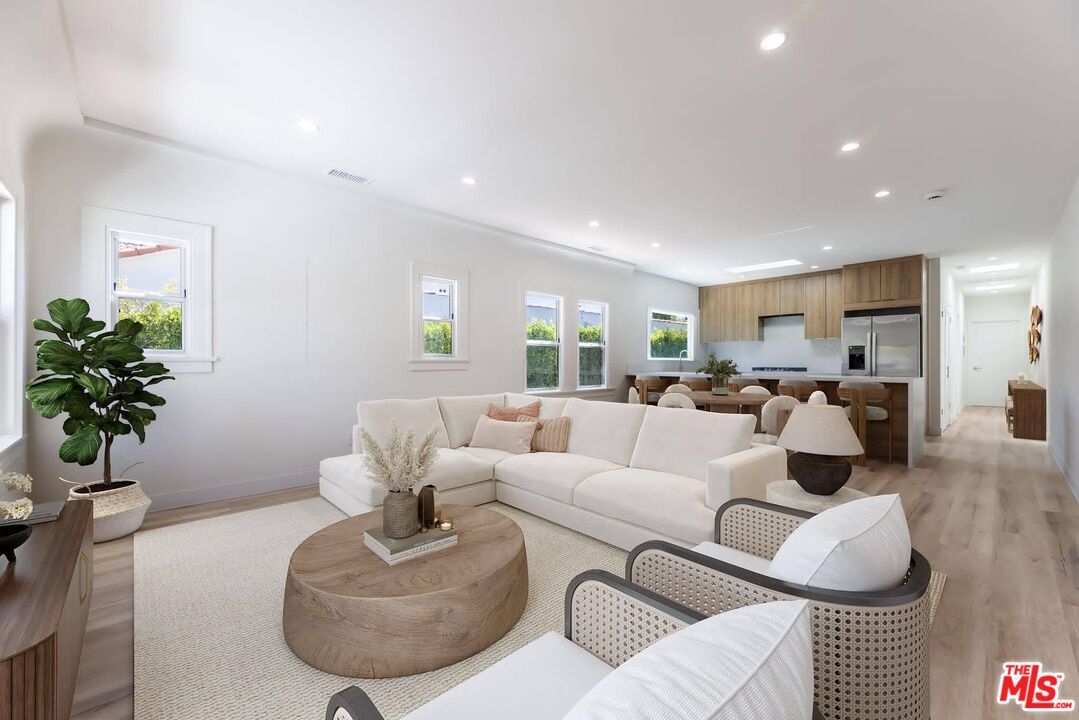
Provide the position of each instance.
(870, 649)
(604, 614)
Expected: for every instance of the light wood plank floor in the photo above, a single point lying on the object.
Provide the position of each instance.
(991, 512)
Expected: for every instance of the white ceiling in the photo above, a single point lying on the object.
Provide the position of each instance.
(664, 122)
(1027, 258)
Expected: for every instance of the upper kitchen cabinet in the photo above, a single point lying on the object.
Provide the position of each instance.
(781, 297)
(729, 312)
(883, 284)
(824, 306)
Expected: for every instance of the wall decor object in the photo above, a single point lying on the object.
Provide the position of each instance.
(1034, 336)
(400, 466)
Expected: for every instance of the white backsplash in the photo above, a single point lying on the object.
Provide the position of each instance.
(784, 345)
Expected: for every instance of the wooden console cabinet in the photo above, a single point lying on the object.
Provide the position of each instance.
(1027, 410)
(44, 600)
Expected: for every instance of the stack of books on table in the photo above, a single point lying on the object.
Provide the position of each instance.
(394, 550)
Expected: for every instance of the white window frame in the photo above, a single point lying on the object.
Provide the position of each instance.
(560, 303)
(100, 229)
(12, 335)
(691, 334)
(459, 360)
(603, 344)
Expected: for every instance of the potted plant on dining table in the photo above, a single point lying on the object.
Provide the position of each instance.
(721, 371)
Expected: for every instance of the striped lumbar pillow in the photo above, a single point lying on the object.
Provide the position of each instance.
(552, 434)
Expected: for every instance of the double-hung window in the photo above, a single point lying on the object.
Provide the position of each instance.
(543, 333)
(591, 344)
(439, 302)
(670, 335)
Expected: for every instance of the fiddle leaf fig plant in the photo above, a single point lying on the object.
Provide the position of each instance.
(97, 377)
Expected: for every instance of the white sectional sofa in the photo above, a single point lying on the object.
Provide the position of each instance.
(631, 473)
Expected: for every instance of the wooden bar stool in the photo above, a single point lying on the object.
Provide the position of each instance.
(737, 384)
(869, 402)
(797, 388)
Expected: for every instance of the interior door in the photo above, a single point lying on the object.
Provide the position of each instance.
(995, 352)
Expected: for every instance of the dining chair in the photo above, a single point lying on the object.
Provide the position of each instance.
(868, 401)
(818, 398)
(678, 388)
(797, 388)
(634, 397)
(770, 418)
(755, 390)
(676, 400)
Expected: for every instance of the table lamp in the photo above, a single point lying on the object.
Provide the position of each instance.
(823, 440)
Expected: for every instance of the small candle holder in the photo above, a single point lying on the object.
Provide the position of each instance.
(446, 525)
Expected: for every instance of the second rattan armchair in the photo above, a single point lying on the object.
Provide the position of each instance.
(870, 649)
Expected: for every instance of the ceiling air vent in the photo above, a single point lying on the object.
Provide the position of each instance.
(935, 194)
(351, 177)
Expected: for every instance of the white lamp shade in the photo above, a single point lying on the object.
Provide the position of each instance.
(821, 430)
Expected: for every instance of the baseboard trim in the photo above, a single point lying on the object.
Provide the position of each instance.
(213, 493)
(1072, 482)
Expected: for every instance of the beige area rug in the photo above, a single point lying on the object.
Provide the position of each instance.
(208, 639)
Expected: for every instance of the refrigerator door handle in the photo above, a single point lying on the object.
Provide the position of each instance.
(869, 353)
(873, 335)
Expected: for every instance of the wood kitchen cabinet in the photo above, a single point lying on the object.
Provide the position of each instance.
(861, 283)
(901, 279)
(792, 296)
(769, 298)
(823, 306)
(729, 313)
(883, 284)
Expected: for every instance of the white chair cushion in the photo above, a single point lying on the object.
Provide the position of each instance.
(460, 413)
(664, 502)
(872, 412)
(604, 430)
(678, 388)
(550, 474)
(753, 662)
(549, 407)
(755, 390)
(676, 400)
(735, 557)
(770, 412)
(378, 417)
(680, 442)
(513, 437)
(541, 681)
(860, 546)
(818, 398)
(452, 469)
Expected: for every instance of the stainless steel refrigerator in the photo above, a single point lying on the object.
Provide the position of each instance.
(884, 345)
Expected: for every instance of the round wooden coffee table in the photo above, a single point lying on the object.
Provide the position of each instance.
(349, 613)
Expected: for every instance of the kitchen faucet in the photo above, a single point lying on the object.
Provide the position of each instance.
(682, 355)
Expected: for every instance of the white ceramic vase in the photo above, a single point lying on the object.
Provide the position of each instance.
(118, 511)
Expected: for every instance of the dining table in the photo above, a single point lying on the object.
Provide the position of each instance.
(749, 403)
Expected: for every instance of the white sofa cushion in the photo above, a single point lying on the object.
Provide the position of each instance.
(513, 437)
(684, 442)
(541, 681)
(603, 430)
(487, 455)
(452, 469)
(667, 503)
(552, 475)
(460, 413)
(550, 407)
(860, 546)
(753, 662)
(378, 417)
(735, 557)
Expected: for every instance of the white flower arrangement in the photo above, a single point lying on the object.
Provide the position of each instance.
(22, 507)
(400, 465)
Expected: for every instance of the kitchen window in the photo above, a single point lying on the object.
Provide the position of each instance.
(670, 335)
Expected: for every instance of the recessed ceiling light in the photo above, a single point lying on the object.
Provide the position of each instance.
(993, 268)
(826, 247)
(882, 193)
(468, 180)
(308, 125)
(814, 267)
(593, 223)
(764, 266)
(991, 259)
(995, 286)
(850, 146)
(656, 245)
(773, 40)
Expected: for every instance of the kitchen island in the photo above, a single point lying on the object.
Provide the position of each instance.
(908, 405)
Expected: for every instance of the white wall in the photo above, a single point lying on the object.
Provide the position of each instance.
(294, 361)
(1062, 337)
(784, 345)
(952, 356)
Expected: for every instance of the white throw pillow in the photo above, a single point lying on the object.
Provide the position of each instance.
(513, 437)
(860, 546)
(751, 663)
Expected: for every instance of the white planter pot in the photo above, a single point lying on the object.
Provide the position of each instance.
(117, 512)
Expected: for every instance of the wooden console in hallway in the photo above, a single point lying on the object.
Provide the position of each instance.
(1026, 410)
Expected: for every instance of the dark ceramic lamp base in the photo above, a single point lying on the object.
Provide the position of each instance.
(11, 537)
(819, 474)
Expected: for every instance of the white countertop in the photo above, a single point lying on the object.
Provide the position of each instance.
(776, 376)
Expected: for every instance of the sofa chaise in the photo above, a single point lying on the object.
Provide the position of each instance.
(630, 473)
